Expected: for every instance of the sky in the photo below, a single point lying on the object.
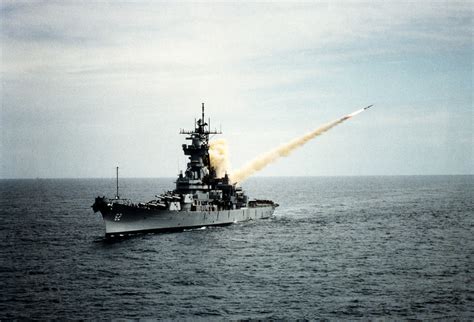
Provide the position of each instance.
(87, 86)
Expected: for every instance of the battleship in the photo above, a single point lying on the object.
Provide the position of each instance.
(200, 198)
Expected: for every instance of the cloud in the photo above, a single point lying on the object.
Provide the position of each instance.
(94, 36)
(245, 47)
(87, 65)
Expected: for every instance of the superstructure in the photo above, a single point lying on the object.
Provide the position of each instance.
(199, 199)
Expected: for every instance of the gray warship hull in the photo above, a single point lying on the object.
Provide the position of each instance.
(202, 197)
(126, 220)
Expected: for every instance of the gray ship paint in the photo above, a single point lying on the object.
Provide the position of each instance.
(201, 198)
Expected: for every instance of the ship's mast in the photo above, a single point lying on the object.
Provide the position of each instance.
(116, 176)
(198, 167)
(202, 118)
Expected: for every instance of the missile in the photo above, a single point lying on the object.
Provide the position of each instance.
(348, 116)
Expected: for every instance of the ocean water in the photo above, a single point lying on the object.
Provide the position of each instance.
(337, 248)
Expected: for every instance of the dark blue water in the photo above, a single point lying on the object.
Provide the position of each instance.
(342, 247)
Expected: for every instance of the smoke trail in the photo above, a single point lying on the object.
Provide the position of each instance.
(219, 155)
(285, 149)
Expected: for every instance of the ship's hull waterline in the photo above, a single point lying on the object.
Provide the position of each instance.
(130, 221)
(201, 197)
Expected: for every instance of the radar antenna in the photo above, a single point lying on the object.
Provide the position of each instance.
(201, 127)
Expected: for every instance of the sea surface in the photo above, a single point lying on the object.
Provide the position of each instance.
(396, 247)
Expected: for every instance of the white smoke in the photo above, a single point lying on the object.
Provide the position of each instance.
(284, 150)
(219, 156)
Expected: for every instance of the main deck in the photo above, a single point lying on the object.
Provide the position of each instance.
(128, 220)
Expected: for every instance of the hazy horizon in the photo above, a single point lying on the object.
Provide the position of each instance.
(90, 85)
(255, 176)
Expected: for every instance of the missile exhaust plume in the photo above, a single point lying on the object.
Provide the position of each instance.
(284, 150)
(219, 157)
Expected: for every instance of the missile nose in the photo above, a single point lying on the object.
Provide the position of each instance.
(365, 108)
